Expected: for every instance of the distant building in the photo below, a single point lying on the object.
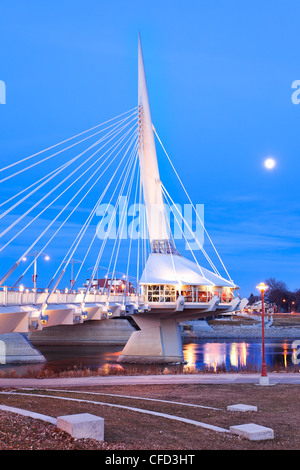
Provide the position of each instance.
(117, 285)
(257, 307)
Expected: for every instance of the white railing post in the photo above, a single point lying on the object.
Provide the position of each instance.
(5, 296)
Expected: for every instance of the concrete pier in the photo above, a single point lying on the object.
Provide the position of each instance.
(16, 349)
(158, 341)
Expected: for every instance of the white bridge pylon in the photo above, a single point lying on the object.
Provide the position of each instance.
(159, 286)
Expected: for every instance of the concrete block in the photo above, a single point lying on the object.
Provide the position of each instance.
(241, 407)
(253, 432)
(82, 426)
(264, 380)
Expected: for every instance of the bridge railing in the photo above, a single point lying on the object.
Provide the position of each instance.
(12, 296)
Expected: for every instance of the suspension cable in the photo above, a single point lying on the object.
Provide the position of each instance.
(67, 140)
(190, 230)
(66, 189)
(131, 233)
(73, 210)
(54, 173)
(192, 204)
(52, 190)
(80, 235)
(196, 261)
(93, 239)
(131, 159)
(122, 222)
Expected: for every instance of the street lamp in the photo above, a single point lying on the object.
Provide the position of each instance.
(98, 267)
(72, 281)
(35, 254)
(264, 379)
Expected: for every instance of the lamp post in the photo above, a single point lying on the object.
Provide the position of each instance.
(264, 379)
(72, 281)
(98, 267)
(35, 254)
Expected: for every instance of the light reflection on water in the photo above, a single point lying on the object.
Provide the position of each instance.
(235, 354)
(227, 355)
(216, 354)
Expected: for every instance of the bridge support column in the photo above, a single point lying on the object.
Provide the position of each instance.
(157, 342)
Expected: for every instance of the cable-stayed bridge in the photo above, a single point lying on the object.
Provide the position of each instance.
(98, 198)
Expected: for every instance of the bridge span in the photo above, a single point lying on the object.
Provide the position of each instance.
(121, 162)
(157, 322)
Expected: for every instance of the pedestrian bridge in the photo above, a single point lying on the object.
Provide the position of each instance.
(21, 310)
(47, 212)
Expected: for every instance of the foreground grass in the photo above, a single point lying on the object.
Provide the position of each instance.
(126, 429)
(109, 370)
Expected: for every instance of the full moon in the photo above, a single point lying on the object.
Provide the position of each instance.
(269, 163)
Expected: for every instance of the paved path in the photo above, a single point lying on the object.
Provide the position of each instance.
(275, 378)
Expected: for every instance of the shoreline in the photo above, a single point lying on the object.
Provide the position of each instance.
(243, 332)
(154, 379)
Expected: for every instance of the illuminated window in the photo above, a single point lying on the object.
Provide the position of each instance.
(161, 293)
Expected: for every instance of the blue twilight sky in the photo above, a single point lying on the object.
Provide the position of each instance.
(220, 80)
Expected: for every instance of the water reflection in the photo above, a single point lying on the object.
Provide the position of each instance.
(214, 354)
(223, 355)
(190, 354)
(239, 355)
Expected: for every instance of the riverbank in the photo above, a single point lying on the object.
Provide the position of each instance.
(277, 326)
(243, 332)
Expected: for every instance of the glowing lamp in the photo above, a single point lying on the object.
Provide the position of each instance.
(84, 315)
(44, 319)
(262, 287)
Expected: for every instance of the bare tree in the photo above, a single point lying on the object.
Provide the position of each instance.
(253, 298)
(278, 294)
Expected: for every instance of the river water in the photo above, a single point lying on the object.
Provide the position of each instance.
(214, 354)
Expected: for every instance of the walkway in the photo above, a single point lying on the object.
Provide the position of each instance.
(275, 378)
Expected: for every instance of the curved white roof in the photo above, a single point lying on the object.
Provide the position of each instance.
(175, 269)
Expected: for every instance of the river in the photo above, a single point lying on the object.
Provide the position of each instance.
(216, 354)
